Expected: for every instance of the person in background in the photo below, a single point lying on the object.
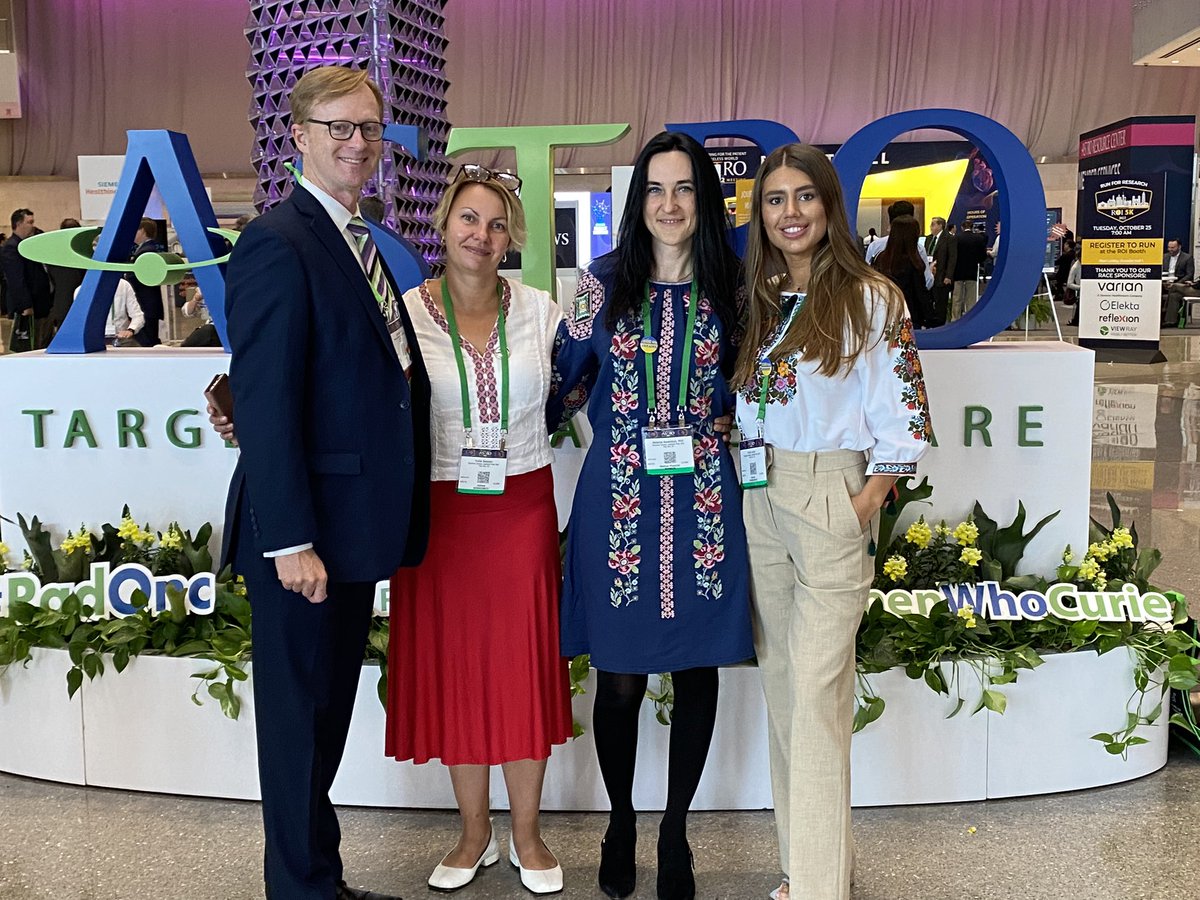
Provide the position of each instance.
(829, 382)
(149, 296)
(66, 281)
(902, 208)
(971, 254)
(1073, 284)
(29, 293)
(942, 247)
(1179, 276)
(1062, 266)
(475, 676)
(205, 334)
(660, 584)
(901, 262)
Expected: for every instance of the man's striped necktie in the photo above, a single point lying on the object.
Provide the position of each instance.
(380, 287)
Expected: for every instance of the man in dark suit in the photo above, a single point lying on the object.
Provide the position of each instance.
(149, 296)
(942, 248)
(1179, 277)
(330, 493)
(972, 251)
(30, 297)
(67, 280)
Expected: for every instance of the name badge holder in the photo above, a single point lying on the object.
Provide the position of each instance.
(481, 470)
(667, 450)
(752, 452)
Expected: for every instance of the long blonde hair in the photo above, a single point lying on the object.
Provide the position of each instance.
(834, 323)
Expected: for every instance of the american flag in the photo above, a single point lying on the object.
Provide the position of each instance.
(1058, 231)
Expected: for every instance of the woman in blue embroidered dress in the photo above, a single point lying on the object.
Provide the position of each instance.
(656, 573)
(830, 390)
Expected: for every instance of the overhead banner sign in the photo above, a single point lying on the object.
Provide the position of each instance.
(1121, 226)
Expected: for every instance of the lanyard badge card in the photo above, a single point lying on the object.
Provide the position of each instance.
(668, 450)
(752, 452)
(480, 470)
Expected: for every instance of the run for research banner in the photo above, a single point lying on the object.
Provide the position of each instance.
(1121, 226)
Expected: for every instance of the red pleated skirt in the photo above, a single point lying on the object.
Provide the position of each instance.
(475, 676)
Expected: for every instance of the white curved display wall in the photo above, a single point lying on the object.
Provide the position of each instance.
(139, 730)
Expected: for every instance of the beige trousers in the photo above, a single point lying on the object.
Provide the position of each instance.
(811, 574)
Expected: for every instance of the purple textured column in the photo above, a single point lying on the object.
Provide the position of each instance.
(402, 43)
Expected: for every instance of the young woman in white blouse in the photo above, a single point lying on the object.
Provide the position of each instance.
(475, 677)
(831, 409)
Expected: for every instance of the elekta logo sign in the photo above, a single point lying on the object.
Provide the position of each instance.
(111, 593)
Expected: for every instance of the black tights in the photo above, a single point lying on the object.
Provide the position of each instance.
(615, 727)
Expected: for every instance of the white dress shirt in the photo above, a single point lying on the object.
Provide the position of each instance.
(125, 314)
(879, 407)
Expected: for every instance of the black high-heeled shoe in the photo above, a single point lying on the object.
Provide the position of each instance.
(618, 863)
(676, 880)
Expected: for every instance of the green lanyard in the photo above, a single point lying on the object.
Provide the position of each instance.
(685, 371)
(456, 342)
(765, 369)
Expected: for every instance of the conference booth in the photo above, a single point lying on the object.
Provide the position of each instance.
(1012, 422)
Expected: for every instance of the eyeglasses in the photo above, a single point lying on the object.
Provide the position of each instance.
(342, 130)
(481, 174)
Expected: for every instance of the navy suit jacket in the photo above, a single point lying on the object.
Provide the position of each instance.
(334, 438)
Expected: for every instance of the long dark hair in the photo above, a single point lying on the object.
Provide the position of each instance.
(714, 263)
(901, 251)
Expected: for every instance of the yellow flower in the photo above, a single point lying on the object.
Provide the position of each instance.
(966, 533)
(4, 551)
(1088, 569)
(1100, 582)
(943, 529)
(128, 528)
(1121, 537)
(895, 568)
(970, 556)
(1102, 550)
(918, 533)
(80, 541)
(965, 612)
(1068, 554)
(171, 539)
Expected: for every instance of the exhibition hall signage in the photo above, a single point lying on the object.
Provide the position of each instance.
(164, 159)
(1121, 226)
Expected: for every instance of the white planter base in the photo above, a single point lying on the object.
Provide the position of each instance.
(140, 731)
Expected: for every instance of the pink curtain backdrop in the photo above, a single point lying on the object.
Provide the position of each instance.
(91, 69)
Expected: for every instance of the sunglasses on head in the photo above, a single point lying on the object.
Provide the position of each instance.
(481, 174)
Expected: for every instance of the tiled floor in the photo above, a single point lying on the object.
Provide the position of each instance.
(1137, 841)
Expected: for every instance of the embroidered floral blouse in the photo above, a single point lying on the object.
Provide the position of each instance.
(532, 320)
(879, 407)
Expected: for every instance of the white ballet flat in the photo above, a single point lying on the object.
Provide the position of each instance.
(450, 878)
(536, 881)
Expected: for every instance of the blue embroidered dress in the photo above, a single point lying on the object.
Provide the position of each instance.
(656, 576)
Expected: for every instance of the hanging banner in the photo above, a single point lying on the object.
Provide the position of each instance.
(1121, 226)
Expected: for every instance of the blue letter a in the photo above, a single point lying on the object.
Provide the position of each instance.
(153, 157)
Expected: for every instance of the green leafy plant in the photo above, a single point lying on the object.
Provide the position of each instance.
(995, 651)
(223, 636)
